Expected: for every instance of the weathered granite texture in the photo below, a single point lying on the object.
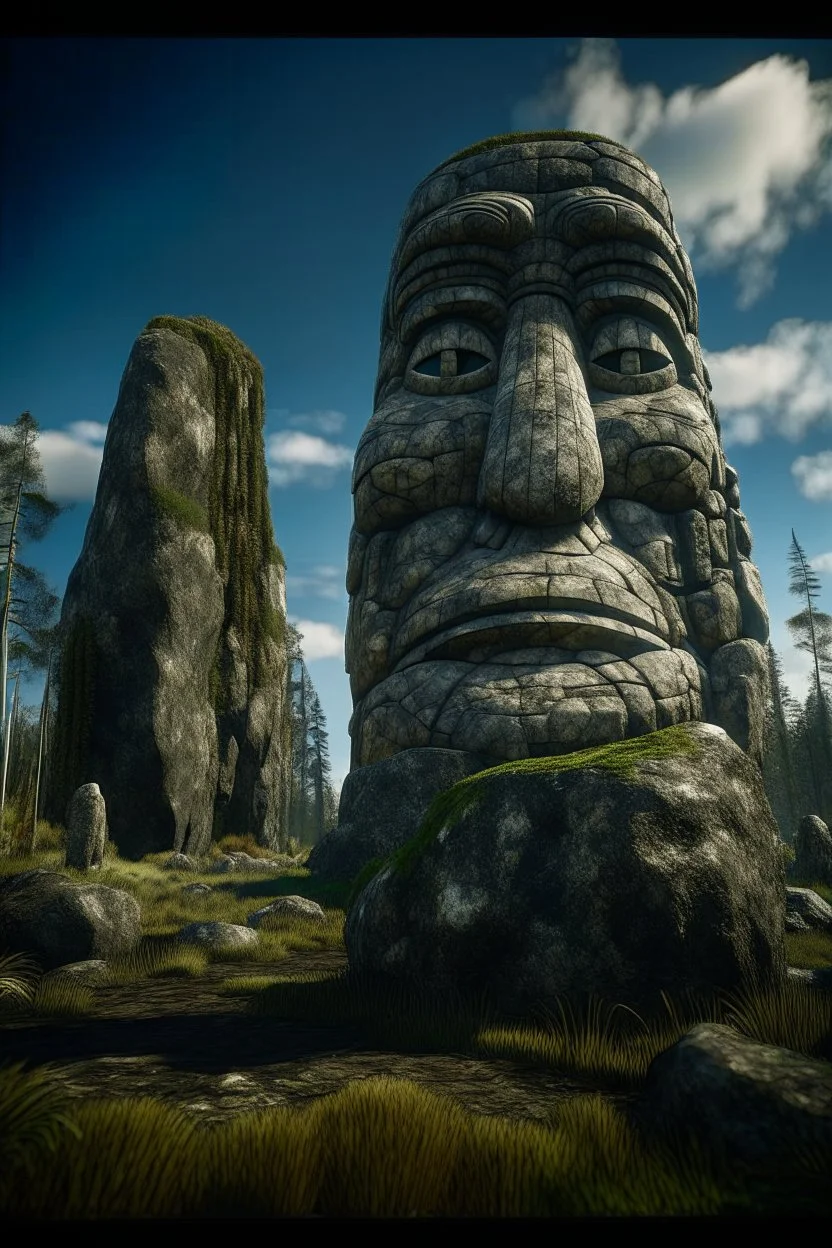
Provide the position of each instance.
(547, 550)
(44, 914)
(749, 1103)
(173, 673)
(813, 851)
(86, 828)
(645, 866)
(382, 806)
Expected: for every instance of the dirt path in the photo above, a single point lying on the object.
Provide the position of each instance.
(194, 1046)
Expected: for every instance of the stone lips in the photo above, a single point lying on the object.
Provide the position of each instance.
(588, 881)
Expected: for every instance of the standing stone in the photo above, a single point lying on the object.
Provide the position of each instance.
(813, 851)
(86, 832)
(173, 667)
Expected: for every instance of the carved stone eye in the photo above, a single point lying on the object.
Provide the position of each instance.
(632, 362)
(452, 363)
(451, 358)
(629, 357)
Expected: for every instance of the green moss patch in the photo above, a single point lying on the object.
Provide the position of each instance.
(180, 508)
(447, 808)
(239, 517)
(527, 136)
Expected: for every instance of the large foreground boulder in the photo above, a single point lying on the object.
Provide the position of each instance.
(813, 851)
(173, 692)
(44, 914)
(648, 865)
(382, 806)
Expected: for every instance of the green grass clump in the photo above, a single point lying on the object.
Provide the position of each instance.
(379, 1147)
(65, 996)
(169, 959)
(811, 950)
(793, 1015)
(19, 974)
(34, 1120)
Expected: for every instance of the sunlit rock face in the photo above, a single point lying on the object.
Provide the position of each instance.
(547, 550)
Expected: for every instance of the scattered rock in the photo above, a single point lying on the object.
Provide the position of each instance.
(215, 935)
(45, 914)
(179, 862)
(90, 970)
(752, 1102)
(288, 907)
(197, 889)
(809, 909)
(816, 977)
(86, 832)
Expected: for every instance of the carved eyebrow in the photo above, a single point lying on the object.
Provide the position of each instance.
(500, 219)
(589, 222)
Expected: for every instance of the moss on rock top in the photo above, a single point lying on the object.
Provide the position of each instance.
(527, 136)
(447, 808)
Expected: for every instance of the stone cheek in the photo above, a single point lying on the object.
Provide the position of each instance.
(418, 456)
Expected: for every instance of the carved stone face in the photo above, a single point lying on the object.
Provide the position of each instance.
(547, 551)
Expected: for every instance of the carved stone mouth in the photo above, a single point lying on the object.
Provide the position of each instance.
(486, 637)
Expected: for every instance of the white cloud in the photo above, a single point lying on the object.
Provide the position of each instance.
(324, 581)
(70, 464)
(88, 431)
(813, 474)
(782, 385)
(822, 563)
(745, 163)
(325, 421)
(294, 456)
(319, 641)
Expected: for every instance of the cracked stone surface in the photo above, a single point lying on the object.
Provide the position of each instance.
(547, 550)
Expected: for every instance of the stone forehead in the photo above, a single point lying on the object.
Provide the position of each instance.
(535, 168)
(547, 167)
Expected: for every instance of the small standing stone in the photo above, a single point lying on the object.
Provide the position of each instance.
(86, 828)
(813, 851)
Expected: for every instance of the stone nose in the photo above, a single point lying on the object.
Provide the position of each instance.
(542, 462)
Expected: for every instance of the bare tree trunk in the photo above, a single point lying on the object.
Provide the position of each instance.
(44, 712)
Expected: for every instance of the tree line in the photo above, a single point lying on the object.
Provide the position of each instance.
(797, 767)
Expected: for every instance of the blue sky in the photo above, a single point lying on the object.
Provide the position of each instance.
(260, 182)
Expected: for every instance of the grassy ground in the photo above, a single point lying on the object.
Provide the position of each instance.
(379, 1146)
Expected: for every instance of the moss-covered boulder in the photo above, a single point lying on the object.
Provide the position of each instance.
(173, 666)
(644, 866)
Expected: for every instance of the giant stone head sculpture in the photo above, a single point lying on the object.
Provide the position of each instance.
(547, 550)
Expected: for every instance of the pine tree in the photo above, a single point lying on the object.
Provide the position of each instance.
(28, 608)
(313, 807)
(321, 769)
(811, 632)
(778, 764)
